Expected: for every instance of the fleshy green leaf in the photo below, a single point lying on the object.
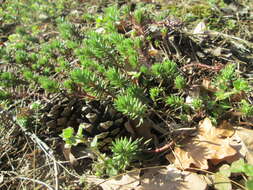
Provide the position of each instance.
(67, 133)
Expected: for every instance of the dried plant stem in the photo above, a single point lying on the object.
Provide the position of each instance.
(36, 181)
(204, 66)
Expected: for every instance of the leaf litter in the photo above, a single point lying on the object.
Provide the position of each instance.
(210, 147)
(210, 144)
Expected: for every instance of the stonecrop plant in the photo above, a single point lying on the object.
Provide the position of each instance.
(124, 151)
(130, 55)
(105, 61)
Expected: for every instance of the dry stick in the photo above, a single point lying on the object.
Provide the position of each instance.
(35, 181)
(248, 43)
(39, 142)
(61, 162)
(47, 151)
(203, 66)
(163, 148)
(226, 36)
(56, 175)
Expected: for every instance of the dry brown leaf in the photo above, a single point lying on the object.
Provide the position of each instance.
(225, 129)
(207, 84)
(237, 143)
(207, 145)
(246, 137)
(167, 178)
(125, 182)
(170, 178)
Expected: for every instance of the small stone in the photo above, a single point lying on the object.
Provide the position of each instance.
(86, 126)
(200, 54)
(92, 117)
(51, 124)
(62, 121)
(106, 125)
(43, 17)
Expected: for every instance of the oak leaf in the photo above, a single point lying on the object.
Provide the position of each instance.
(166, 178)
(210, 143)
(170, 178)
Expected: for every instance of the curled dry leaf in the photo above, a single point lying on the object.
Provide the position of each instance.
(246, 137)
(239, 146)
(225, 129)
(128, 181)
(166, 178)
(211, 144)
(207, 84)
(170, 178)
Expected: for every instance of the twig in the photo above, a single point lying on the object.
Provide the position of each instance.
(248, 43)
(204, 66)
(56, 175)
(36, 181)
(163, 148)
(43, 146)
